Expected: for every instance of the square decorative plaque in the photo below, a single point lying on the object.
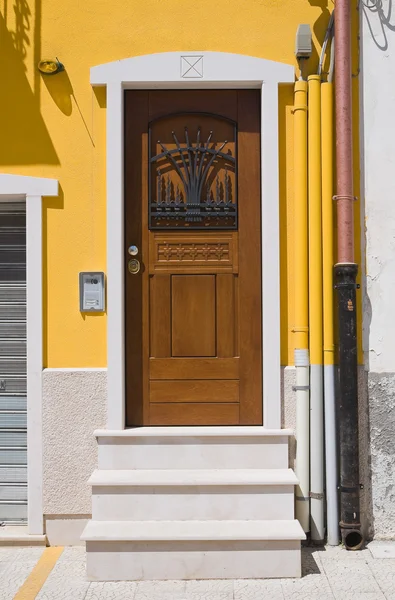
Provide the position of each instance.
(192, 67)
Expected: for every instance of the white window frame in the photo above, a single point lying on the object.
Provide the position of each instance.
(17, 188)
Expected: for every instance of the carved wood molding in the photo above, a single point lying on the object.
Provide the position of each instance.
(199, 253)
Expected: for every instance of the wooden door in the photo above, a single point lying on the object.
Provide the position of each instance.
(193, 212)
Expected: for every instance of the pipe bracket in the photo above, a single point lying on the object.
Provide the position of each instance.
(300, 107)
(344, 525)
(344, 197)
(315, 496)
(300, 388)
(347, 285)
(350, 490)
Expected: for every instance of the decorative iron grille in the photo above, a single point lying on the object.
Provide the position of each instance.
(193, 184)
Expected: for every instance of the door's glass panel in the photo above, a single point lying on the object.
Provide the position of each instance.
(193, 173)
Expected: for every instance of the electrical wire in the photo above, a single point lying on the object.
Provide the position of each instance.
(328, 34)
(332, 60)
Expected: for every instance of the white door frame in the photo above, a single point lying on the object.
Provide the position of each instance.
(192, 70)
(16, 188)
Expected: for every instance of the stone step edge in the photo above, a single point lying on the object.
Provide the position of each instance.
(198, 432)
(173, 531)
(195, 477)
(19, 536)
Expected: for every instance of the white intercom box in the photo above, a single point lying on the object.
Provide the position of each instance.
(92, 292)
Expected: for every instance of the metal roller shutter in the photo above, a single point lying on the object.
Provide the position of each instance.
(13, 454)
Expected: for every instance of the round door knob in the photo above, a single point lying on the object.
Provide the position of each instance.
(134, 266)
(133, 250)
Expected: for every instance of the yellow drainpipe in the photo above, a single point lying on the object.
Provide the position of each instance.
(301, 327)
(315, 312)
(327, 220)
(327, 131)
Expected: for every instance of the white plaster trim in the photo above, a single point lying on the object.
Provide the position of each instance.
(270, 256)
(219, 70)
(16, 188)
(161, 70)
(20, 185)
(34, 319)
(115, 260)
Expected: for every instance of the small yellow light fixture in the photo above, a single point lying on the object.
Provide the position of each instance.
(50, 67)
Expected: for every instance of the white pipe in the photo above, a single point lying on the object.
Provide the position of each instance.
(332, 507)
(302, 469)
(317, 453)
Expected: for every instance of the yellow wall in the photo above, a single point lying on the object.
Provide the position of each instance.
(55, 127)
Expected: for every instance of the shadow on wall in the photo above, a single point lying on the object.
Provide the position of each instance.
(380, 19)
(48, 204)
(319, 29)
(25, 138)
(321, 23)
(101, 96)
(61, 90)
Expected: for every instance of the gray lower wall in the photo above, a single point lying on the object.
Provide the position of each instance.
(74, 405)
(381, 390)
(288, 408)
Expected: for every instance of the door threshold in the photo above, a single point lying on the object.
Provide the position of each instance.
(205, 431)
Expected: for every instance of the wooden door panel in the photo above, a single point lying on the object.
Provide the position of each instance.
(160, 316)
(136, 288)
(250, 298)
(193, 313)
(226, 315)
(198, 414)
(224, 102)
(189, 368)
(194, 390)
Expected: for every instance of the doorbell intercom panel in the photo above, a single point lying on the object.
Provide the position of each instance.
(92, 292)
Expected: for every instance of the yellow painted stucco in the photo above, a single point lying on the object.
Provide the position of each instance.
(55, 126)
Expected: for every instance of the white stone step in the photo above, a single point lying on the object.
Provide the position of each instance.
(193, 448)
(193, 495)
(192, 549)
(169, 531)
(179, 477)
(18, 535)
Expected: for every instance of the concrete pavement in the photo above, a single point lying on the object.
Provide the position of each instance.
(328, 573)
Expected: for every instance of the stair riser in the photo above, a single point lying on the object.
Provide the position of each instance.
(132, 561)
(192, 503)
(193, 453)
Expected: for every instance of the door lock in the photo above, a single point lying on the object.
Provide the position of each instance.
(134, 266)
(133, 250)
